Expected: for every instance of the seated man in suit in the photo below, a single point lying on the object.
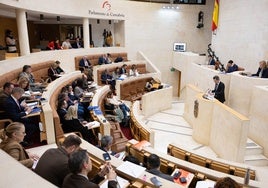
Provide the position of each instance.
(103, 59)
(4, 94)
(17, 111)
(80, 165)
(106, 78)
(77, 43)
(153, 166)
(262, 70)
(231, 67)
(123, 69)
(219, 89)
(53, 164)
(85, 67)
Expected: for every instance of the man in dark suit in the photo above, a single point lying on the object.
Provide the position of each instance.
(219, 89)
(80, 165)
(153, 166)
(4, 94)
(262, 70)
(103, 59)
(123, 69)
(84, 63)
(53, 164)
(17, 111)
(77, 43)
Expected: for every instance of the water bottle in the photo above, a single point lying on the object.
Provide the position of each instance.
(247, 176)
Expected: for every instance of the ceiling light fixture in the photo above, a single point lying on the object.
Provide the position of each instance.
(171, 6)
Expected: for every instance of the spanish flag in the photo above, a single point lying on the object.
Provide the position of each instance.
(215, 17)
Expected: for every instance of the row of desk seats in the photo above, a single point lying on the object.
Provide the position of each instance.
(166, 166)
(139, 131)
(94, 58)
(96, 155)
(53, 101)
(133, 89)
(200, 172)
(209, 163)
(119, 140)
(140, 65)
(39, 70)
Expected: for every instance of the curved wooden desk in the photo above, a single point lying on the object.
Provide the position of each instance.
(138, 129)
(51, 130)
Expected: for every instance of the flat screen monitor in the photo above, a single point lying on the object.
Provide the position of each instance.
(179, 47)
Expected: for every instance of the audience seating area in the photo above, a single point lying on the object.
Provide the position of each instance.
(141, 67)
(53, 101)
(169, 164)
(133, 89)
(119, 140)
(134, 182)
(94, 58)
(208, 163)
(139, 132)
(39, 70)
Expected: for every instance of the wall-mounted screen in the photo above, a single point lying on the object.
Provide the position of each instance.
(179, 47)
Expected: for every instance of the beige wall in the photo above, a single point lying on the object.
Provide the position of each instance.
(150, 101)
(258, 122)
(242, 33)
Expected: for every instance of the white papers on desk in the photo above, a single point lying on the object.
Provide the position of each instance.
(122, 77)
(32, 104)
(36, 93)
(205, 184)
(92, 125)
(88, 94)
(131, 169)
(122, 183)
(26, 94)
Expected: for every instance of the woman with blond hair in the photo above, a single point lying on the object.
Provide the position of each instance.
(11, 137)
(24, 83)
(72, 124)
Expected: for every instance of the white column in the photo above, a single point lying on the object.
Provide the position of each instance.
(79, 31)
(22, 32)
(75, 32)
(86, 32)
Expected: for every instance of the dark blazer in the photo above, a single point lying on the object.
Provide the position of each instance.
(52, 73)
(75, 45)
(62, 112)
(219, 92)
(82, 64)
(14, 112)
(102, 61)
(53, 165)
(264, 73)
(160, 174)
(123, 71)
(78, 181)
(74, 125)
(15, 150)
